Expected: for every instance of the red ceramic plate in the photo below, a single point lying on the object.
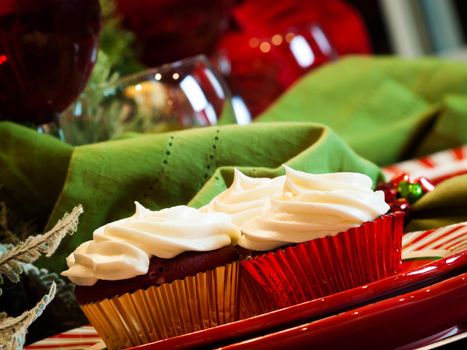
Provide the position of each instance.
(397, 322)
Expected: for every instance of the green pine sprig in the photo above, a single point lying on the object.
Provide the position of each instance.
(117, 42)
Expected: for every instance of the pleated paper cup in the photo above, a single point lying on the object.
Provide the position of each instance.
(328, 265)
(197, 302)
(253, 299)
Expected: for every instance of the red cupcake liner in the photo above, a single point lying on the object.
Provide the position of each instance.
(252, 298)
(329, 265)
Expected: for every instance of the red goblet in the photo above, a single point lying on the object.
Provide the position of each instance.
(47, 51)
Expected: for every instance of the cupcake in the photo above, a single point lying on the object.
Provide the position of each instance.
(322, 234)
(158, 274)
(245, 199)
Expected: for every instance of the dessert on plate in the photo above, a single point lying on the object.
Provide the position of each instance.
(158, 274)
(322, 234)
(259, 245)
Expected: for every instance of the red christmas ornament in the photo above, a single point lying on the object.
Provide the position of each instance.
(399, 178)
(402, 191)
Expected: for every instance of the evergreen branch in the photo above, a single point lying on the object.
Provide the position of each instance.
(13, 329)
(33, 247)
(117, 42)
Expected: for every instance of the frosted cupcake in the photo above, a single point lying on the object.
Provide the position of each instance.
(158, 274)
(324, 233)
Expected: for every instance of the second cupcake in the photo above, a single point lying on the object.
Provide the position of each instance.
(322, 234)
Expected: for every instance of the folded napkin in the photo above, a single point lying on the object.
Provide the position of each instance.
(33, 168)
(188, 167)
(447, 204)
(386, 108)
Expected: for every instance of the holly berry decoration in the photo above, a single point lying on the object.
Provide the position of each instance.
(403, 191)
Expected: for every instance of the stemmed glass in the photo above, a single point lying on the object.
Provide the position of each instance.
(184, 94)
(47, 51)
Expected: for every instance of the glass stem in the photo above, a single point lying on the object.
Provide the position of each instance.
(52, 128)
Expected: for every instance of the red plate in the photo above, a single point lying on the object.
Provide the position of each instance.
(397, 322)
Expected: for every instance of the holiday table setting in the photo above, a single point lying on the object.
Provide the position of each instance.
(170, 132)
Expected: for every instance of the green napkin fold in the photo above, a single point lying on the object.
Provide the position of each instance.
(32, 170)
(189, 166)
(445, 205)
(387, 109)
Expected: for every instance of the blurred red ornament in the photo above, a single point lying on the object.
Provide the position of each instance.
(399, 178)
(402, 191)
(389, 191)
(274, 43)
(249, 40)
(400, 205)
(339, 20)
(261, 68)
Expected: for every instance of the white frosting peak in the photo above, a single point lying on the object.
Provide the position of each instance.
(122, 249)
(313, 206)
(246, 197)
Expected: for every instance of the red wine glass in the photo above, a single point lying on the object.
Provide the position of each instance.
(47, 51)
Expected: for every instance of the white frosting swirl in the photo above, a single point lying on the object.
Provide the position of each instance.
(122, 249)
(313, 206)
(246, 197)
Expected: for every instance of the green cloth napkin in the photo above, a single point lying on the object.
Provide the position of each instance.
(447, 204)
(387, 109)
(33, 167)
(188, 167)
